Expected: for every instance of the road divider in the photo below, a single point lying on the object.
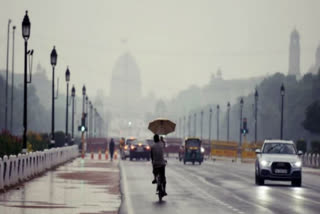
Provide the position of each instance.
(15, 169)
(224, 149)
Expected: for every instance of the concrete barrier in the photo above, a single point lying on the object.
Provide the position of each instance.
(15, 169)
(311, 160)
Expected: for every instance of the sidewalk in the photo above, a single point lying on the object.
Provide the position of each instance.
(81, 186)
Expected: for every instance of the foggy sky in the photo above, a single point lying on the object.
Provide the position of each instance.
(176, 43)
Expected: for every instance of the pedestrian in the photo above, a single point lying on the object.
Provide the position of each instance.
(111, 148)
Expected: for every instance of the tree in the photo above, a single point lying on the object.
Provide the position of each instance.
(312, 119)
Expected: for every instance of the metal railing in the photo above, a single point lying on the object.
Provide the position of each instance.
(15, 169)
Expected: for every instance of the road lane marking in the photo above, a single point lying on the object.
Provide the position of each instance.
(207, 194)
(126, 190)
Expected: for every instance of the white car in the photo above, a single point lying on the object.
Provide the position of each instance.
(278, 160)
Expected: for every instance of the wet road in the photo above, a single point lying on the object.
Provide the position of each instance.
(80, 186)
(215, 187)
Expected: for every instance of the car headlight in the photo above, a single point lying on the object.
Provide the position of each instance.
(298, 164)
(202, 150)
(264, 163)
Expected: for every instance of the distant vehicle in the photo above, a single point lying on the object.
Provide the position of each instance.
(139, 150)
(191, 151)
(278, 160)
(125, 151)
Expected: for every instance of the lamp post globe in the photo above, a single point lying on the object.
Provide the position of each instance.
(84, 90)
(73, 92)
(67, 74)
(282, 90)
(26, 26)
(53, 57)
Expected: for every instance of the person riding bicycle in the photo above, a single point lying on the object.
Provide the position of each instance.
(158, 161)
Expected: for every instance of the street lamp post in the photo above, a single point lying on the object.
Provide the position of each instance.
(228, 121)
(87, 117)
(218, 114)
(195, 124)
(67, 105)
(189, 125)
(53, 58)
(184, 126)
(83, 97)
(210, 118)
(12, 80)
(26, 25)
(7, 81)
(90, 119)
(241, 108)
(282, 93)
(73, 94)
(201, 125)
(95, 123)
(256, 95)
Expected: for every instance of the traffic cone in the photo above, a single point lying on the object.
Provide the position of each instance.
(92, 155)
(115, 155)
(99, 155)
(106, 154)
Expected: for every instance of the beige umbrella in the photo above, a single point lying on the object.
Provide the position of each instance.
(162, 126)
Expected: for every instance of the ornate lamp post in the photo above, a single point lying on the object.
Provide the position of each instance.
(218, 114)
(87, 115)
(241, 108)
(282, 93)
(53, 59)
(195, 124)
(256, 95)
(210, 118)
(201, 124)
(67, 105)
(73, 94)
(12, 80)
(228, 121)
(26, 25)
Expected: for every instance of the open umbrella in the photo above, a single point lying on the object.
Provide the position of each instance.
(162, 126)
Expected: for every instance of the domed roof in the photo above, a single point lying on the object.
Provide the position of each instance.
(126, 81)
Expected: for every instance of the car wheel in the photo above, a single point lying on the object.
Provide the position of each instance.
(192, 162)
(199, 162)
(184, 162)
(296, 182)
(131, 158)
(259, 180)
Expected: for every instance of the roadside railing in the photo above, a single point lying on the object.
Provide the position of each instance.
(15, 169)
(311, 160)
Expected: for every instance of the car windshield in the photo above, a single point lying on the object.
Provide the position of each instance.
(279, 148)
(139, 142)
(193, 143)
(132, 141)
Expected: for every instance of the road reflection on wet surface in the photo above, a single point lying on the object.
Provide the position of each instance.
(81, 186)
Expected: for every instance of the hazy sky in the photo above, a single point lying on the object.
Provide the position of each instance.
(176, 42)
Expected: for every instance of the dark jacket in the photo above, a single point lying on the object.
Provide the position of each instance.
(111, 146)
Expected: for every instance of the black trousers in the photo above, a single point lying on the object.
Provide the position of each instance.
(161, 171)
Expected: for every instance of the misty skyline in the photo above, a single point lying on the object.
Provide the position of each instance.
(176, 43)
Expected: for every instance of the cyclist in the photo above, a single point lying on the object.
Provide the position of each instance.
(158, 161)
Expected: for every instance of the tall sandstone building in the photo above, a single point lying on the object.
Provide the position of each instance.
(294, 54)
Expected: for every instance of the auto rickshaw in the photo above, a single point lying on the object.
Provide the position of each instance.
(193, 152)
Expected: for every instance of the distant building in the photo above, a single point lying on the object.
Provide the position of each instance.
(316, 67)
(294, 54)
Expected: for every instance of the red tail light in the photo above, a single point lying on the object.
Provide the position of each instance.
(147, 147)
(132, 147)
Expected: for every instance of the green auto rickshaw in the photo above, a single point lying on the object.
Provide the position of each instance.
(193, 152)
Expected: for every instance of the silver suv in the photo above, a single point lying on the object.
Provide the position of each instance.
(278, 160)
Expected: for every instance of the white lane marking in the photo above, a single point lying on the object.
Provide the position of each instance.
(126, 190)
(207, 194)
